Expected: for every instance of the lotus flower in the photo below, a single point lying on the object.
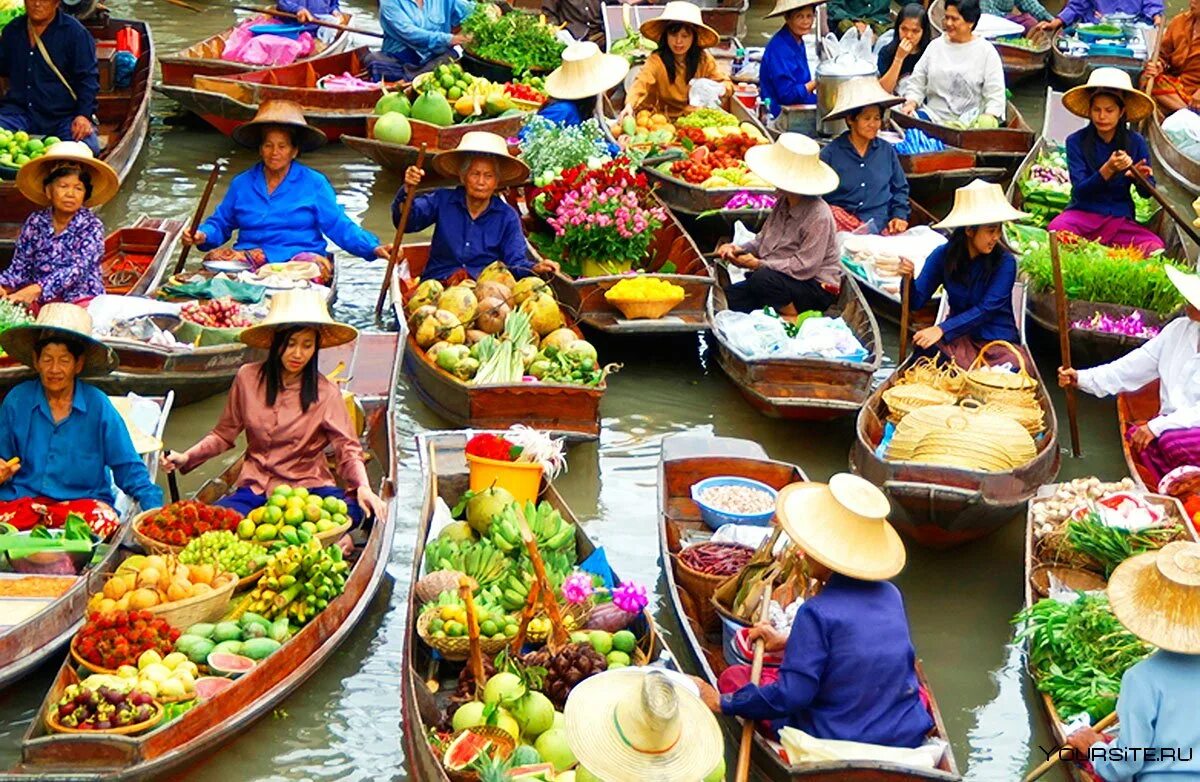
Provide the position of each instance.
(577, 588)
(630, 597)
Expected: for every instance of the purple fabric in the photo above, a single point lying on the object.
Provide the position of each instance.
(1028, 21)
(67, 266)
(1173, 448)
(1092, 10)
(1108, 230)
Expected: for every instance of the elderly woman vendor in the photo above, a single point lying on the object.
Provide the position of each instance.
(849, 668)
(282, 210)
(64, 441)
(58, 252)
(472, 225)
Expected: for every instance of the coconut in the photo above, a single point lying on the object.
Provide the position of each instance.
(496, 271)
(441, 325)
(527, 286)
(438, 347)
(492, 314)
(466, 368)
(419, 314)
(544, 315)
(559, 338)
(492, 289)
(426, 293)
(460, 301)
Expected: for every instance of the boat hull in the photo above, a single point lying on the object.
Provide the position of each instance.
(1073, 71)
(1003, 147)
(226, 113)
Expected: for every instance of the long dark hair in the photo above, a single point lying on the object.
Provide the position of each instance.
(958, 257)
(691, 60)
(911, 11)
(1091, 137)
(271, 373)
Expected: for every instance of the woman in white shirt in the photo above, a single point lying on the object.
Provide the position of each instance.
(960, 77)
(1172, 438)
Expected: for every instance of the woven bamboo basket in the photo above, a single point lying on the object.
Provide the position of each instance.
(55, 727)
(961, 436)
(991, 386)
(501, 740)
(149, 544)
(928, 371)
(700, 587)
(905, 398)
(86, 664)
(1030, 415)
(965, 450)
(459, 647)
(579, 613)
(917, 424)
(202, 608)
(642, 309)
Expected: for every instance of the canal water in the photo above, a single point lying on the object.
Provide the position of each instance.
(344, 723)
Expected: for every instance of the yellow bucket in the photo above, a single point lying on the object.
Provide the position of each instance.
(521, 479)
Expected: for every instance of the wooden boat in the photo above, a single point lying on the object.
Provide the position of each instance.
(941, 507)
(214, 722)
(1088, 347)
(685, 460)
(27, 644)
(225, 102)
(567, 410)
(444, 476)
(1004, 147)
(204, 58)
(809, 389)
(1072, 70)
(124, 116)
(1020, 63)
(1183, 170)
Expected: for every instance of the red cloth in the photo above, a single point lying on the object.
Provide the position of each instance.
(27, 512)
(848, 222)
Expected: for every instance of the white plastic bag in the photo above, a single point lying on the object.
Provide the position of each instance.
(753, 335)
(705, 93)
(850, 54)
(1183, 128)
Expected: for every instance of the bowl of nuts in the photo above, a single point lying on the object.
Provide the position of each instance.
(728, 499)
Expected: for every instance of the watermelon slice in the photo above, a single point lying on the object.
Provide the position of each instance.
(231, 665)
(465, 750)
(537, 772)
(209, 687)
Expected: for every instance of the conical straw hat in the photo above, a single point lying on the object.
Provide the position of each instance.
(1078, 100)
(635, 723)
(1156, 595)
(279, 113)
(143, 443)
(66, 320)
(858, 93)
(843, 525)
(1187, 284)
(783, 6)
(793, 164)
(980, 203)
(479, 142)
(300, 307)
(686, 13)
(585, 71)
(104, 180)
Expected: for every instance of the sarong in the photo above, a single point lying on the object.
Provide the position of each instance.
(849, 222)
(1166, 85)
(1108, 230)
(1173, 448)
(27, 512)
(257, 259)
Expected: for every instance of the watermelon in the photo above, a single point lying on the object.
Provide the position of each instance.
(465, 750)
(537, 772)
(208, 687)
(231, 665)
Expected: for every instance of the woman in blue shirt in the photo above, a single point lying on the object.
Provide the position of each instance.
(978, 273)
(308, 10)
(573, 86)
(417, 36)
(282, 210)
(783, 76)
(1100, 157)
(871, 184)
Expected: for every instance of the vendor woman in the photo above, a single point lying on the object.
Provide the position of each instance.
(783, 77)
(1101, 157)
(290, 412)
(911, 35)
(793, 263)
(849, 668)
(682, 39)
(871, 184)
(976, 270)
(282, 210)
(58, 252)
(573, 86)
(1172, 437)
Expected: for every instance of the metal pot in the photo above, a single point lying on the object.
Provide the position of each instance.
(827, 88)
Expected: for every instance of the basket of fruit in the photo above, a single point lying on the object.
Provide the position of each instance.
(181, 594)
(644, 298)
(107, 710)
(227, 553)
(110, 640)
(169, 529)
(18, 148)
(449, 636)
(213, 322)
(296, 516)
(475, 742)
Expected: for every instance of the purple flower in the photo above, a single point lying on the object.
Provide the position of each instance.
(630, 597)
(577, 587)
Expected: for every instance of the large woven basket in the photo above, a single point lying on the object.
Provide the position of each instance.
(930, 372)
(1029, 415)
(988, 385)
(54, 726)
(459, 647)
(501, 740)
(149, 544)
(202, 608)
(959, 436)
(642, 309)
(700, 588)
(904, 398)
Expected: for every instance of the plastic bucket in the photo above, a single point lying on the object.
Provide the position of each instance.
(521, 479)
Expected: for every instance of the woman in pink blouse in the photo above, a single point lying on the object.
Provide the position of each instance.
(290, 413)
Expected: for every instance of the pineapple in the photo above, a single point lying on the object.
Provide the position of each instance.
(492, 768)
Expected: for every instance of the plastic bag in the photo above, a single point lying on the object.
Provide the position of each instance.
(246, 47)
(1183, 128)
(705, 93)
(828, 338)
(850, 55)
(753, 335)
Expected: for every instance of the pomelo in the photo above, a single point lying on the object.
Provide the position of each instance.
(393, 128)
(393, 102)
(486, 504)
(553, 747)
(468, 715)
(503, 688)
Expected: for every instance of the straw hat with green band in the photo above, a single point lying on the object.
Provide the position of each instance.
(1156, 595)
(302, 307)
(68, 321)
(680, 12)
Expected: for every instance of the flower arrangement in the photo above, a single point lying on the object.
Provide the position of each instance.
(520, 444)
(579, 587)
(1131, 325)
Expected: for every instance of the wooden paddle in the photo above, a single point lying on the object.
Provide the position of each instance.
(1158, 36)
(476, 653)
(173, 486)
(188, 6)
(396, 246)
(764, 614)
(1052, 762)
(196, 218)
(905, 313)
(317, 22)
(1064, 338)
(1183, 223)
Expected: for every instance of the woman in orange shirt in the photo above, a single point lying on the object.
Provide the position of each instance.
(1176, 72)
(682, 38)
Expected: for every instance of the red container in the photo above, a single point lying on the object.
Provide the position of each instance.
(129, 40)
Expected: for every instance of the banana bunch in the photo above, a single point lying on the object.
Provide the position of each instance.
(515, 586)
(549, 528)
(299, 583)
(480, 559)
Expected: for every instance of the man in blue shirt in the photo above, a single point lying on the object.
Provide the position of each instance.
(52, 87)
(473, 226)
(417, 35)
(64, 440)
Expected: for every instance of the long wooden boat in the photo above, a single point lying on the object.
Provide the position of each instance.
(1073, 70)
(215, 722)
(941, 507)
(27, 644)
(204, 58)
(1020, 63)
(1004, 147)
(811, 388)
(1089, 347)
(685, 460)
(444, 476)
(570, 411)
(1183, 170)
(124, 116)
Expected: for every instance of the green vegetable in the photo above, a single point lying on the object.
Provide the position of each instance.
(1110, 546)
(706, 118)
(548, 148)
(517, 39)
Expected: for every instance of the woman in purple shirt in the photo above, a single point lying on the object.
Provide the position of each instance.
(58, 252)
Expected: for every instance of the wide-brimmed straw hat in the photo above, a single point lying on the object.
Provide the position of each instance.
(479, 142)
(783, 6)
(585, 71)
(1114, 81)
(279, 113)
(843, 525)
(69, 321)
(143, 443)
(793, 164)
(31, 175)
(631, 723)
(680, 12)
(1156, 595)
(300, 307)
(859, 93)
(1187, 284)
(980, 203)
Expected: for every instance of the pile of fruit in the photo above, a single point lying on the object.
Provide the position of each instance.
(170, 677)
(293, 516)
(110, 640)
(526, 92)
(716, 163)
(1021, 42)
(143, 582)
(222, 313)
(644, 128)
(702, 127)
(252, 636)
(644, 287)
(181, 522)
(982, 122)
(450, 619)
(12, 314)
(17, 148)
(226, 552)
(448, 79)
(102, 709)
(446, 96)
(299, 582)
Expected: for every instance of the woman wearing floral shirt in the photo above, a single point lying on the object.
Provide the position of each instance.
(58, 252)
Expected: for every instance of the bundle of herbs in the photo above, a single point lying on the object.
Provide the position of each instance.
(517, 39)
(1110, 546)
